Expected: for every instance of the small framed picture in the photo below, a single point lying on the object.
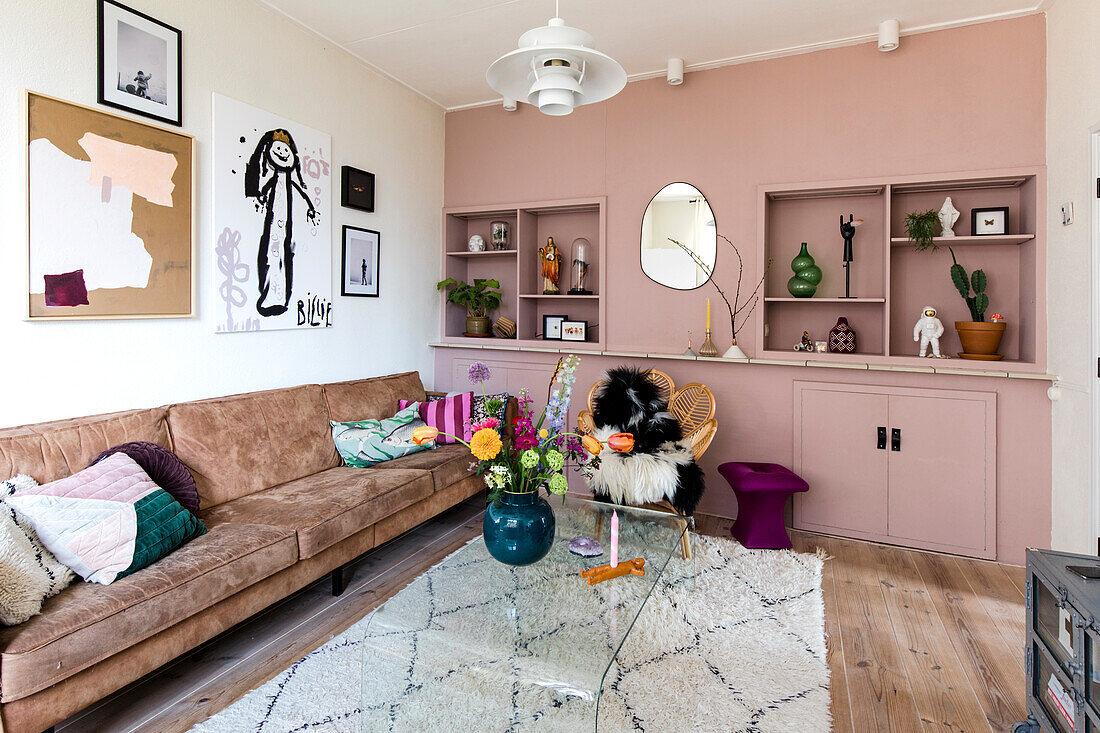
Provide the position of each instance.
(989, 221)
(140, 63)
(574, 330)
(551, 327)
(359, 271)
(356, 189)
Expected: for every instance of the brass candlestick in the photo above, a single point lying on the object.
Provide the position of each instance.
(708, 348)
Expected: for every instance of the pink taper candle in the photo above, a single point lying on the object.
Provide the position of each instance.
(614, 538)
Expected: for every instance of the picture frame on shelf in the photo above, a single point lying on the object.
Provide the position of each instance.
(140, 63)
(989, 221)
(356, 189)
(359, 258)
(574, 330)
(551, 327)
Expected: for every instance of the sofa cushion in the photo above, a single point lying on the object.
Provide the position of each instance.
(52, 450)
(88, 622)
(328, 506)
(371, 399)
(364, 443)
(164, 467)
(448, 464)
(242, 444)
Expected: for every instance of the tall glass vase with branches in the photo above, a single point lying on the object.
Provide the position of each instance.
(739, 312)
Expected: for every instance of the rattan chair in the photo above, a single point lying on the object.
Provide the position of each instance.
(693, 405)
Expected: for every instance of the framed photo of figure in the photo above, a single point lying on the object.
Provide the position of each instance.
(551, 327)
(989, 221)
(356, 189)
(140, 63)
(359, 271)
(574, 330)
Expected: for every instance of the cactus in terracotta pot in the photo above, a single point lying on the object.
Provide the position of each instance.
(980, 340)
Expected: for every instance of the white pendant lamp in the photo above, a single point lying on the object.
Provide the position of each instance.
(556, 69)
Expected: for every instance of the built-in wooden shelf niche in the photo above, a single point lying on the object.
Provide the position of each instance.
(892, 282)
(518, 268)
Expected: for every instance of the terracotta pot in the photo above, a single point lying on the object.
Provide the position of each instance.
(477, 325)
(980, 337)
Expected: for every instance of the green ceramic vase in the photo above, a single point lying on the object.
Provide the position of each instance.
(807, 275)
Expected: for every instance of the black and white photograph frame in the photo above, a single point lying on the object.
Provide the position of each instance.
(574, 330)
(990, 221)
(359, 258)
(551, 327)
(356, 189)
(140, 63)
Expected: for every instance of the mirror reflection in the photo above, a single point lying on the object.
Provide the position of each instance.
(679, 211)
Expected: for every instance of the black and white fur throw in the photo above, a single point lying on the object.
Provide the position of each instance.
(662, 464)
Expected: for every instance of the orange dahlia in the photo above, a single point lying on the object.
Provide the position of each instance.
(485, 445)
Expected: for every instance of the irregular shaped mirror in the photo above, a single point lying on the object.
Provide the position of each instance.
(679, 211)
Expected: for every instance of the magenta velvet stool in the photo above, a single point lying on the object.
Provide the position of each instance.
(762, 490)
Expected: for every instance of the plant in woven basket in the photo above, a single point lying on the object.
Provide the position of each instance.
(921, 226)
(977, 301)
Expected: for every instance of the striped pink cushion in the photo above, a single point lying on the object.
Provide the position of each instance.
(448, 415)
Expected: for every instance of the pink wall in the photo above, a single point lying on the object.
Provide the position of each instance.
(842, 113)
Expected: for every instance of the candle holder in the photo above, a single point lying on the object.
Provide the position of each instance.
(708, 348)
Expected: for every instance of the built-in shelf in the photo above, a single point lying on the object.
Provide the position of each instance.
(824, 300)
(486, 253)
(979, 239)
(560, 296)
(1002, 369)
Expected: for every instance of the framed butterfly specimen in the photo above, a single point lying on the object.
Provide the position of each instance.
(357, 189)
(989, 221)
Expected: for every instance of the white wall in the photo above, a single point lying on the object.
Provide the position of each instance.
(1073, 106)
(242, 49)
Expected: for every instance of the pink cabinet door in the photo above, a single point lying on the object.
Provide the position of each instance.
(836, 435)
(941, 487)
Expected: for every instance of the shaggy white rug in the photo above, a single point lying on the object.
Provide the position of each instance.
(739, 646)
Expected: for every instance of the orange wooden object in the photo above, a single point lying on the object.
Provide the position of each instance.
(606, 572)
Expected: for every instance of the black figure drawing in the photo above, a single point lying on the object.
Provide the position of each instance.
(273, 176)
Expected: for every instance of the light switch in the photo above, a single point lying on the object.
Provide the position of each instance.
(1067, 213)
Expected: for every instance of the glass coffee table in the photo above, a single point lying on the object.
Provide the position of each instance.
(476, 645)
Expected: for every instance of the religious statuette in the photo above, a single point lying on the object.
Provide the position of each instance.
(948, 216)
(550, 259)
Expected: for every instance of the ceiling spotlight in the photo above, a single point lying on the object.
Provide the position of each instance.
(675, 72)
(889, 32)
(556, 69)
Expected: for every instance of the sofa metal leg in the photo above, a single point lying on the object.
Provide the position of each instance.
(339, 584)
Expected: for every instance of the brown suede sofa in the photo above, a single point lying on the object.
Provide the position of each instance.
(280, 508)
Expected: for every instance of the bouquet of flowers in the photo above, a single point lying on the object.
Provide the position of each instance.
(535, 455)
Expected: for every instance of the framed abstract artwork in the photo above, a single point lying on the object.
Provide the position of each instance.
(359, 255)
(551, 327)
(574, 330)
(271, 233)
(140, 63)
(110, 215)
(356, 189)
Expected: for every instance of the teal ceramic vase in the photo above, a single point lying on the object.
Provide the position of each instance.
(807, 275)
(519, 529)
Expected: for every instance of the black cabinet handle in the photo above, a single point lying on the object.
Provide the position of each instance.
(895, 439)
(882, 438)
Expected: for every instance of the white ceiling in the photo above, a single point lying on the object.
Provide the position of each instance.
(441, 48)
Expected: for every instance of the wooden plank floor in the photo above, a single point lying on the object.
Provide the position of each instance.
(917, 641)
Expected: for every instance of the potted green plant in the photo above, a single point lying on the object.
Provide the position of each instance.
(921, 228)
(980, 340)
(478, 298)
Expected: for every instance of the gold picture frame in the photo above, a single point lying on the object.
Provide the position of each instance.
(133, 171)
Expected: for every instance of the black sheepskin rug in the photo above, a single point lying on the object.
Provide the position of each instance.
(662, 464)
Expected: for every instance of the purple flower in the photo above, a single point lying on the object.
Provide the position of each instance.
(479, 373)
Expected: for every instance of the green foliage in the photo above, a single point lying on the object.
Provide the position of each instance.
(921, 228)
(478, 298)
(978, 303)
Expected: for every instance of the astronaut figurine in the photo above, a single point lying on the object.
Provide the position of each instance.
(928, 331)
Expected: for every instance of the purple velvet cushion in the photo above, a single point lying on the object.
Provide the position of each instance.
(744, 476)
(164, 467)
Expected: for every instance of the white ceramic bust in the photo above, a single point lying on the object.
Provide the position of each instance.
(948, 216)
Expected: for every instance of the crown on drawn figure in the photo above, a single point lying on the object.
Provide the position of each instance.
(281, 136)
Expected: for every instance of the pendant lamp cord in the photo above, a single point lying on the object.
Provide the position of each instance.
(557, 8)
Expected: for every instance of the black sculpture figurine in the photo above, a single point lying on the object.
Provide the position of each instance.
(848, 231)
